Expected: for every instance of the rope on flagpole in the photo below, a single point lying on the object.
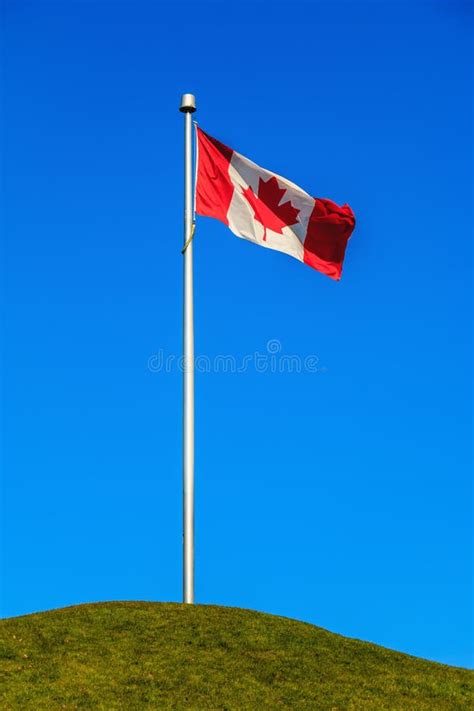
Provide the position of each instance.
(190, 238)
(196, 158)
(196, 163)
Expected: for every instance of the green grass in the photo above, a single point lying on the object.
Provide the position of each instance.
(137, 655)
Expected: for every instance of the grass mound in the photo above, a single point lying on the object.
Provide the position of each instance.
(137, 655)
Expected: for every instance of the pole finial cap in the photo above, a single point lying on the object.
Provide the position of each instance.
(188, 103)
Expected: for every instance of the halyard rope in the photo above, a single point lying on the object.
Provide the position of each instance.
(190, 238)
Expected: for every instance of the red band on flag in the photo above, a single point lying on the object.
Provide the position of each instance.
(329, 229)
(214, 188)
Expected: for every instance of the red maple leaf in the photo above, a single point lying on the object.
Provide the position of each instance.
(267, 208)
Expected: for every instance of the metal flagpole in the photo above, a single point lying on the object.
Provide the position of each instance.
(188, 106)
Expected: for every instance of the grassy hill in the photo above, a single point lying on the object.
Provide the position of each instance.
(137, 655)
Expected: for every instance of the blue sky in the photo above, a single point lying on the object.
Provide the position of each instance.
(342, 496)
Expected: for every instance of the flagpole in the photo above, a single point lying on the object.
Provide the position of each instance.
(188, 106)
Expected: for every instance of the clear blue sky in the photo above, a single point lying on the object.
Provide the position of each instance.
(340, 497)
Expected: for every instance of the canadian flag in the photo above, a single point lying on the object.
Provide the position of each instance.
(265, 208)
